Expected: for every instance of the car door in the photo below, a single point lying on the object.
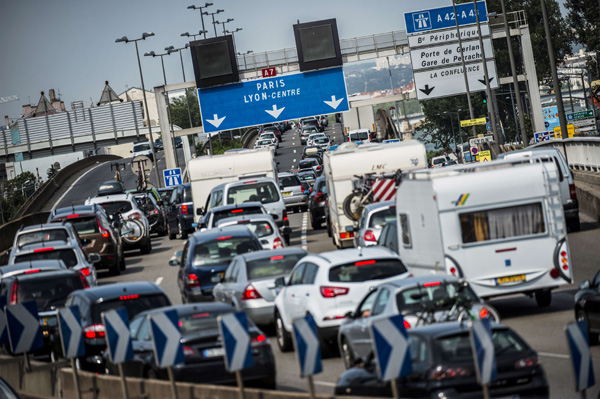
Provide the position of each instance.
(228, 286)
(182, 267)
(377, 312)
(173, 209)
(359, 338)
(306, 289)
(292, 302)
(592, 305)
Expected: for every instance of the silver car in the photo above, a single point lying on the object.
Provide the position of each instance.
(249, 281)
(292, 191)
(263, 226)
(371, 222)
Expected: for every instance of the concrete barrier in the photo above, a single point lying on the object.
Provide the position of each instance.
(40, 382)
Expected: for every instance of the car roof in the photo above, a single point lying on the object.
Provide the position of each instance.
(29, 248)
(77, 209)
(246, 180)
(45, 275)
(110, 198)
(45, 226)
(49, 264)
(214, 233)
(348, 255)
(377, 205)
(439, 330)
(267, 253)
(285, 174)
(112, 291)
(420, 280)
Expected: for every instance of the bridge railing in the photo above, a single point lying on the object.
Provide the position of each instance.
(582, 153)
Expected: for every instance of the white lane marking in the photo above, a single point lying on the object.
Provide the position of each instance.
(73, 185)
(303, 238)
(293, 143)
(158, 281)
(325, 384)
(556, 355)
(294, 160)
(294, 151)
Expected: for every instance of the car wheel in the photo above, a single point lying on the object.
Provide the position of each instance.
(287, 239)
(574, 224)
(146, 248)
(284, 338)
(172, 235)
(347, 353)
(122, 264)
(115, 269)
(184, 234)
(582, 316)
(543, 298)
(304, 208)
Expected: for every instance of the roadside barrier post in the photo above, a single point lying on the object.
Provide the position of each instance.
(166, 343)
(118, 341)
(308, 350)
(482, 347)
(233, 328)
(579, 346)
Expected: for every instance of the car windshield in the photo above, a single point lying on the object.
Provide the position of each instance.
(165, 194)
(141, 147)
(263, 192)
(438, 293)
(200, 321)
(48, 290)
(85, 225)
(264, 142)
(116, 207)
(380, 218)
(248, 210)
(289, 181)
(31, 237)
(222, 250)
(67, 255)
(358, 136)
(271, 266)
(134, 304)
(439, 161)
(364, 270)
(309, 130)
(457, 348)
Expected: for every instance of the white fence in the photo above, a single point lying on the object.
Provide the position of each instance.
(581, 153)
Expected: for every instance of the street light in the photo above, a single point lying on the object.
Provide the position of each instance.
(124, 39)
(192, 7)
(187, 34)
(232, 33)
(153, 54)
(244, 55)
(213, 18)
(223, 23)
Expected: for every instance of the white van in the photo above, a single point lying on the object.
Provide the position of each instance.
(499, 225)
(359, 136)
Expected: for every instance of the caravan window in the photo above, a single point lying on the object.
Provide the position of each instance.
(406, 241)
(501, 223)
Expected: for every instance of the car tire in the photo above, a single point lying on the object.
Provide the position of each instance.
(315, 225)
(304, 208)
(543, 298)
(287, 239)
(115, 269)
(172, 235)
(328, 227)
(122, 264)
(347, 353)
(582, 316)
(183, 233)
(284, 338)
(574, 225)
(146, 249)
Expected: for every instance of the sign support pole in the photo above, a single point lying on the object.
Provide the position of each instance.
(311, 387)
(395, 392)
(173, 385)
(240, 384)
(486, 392)
(75, 377)
(462, 60)
(123, 382)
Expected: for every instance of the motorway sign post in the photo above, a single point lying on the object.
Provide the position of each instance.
(233, 328)
(280, 98)
(172, 177)
(166, 343)
(308, 350)
(579, 345)
(118, 341)
(391, 348)
(484, 358)
(71, 338)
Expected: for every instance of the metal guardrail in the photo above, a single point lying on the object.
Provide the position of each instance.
(582, 153)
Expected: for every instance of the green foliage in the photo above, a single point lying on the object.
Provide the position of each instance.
(220, 147)
(584, 19)
(15, 194)
(179, 110)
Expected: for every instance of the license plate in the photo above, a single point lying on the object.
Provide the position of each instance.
(510, 279)
(286, 193)
(213, 352)
(217, 278)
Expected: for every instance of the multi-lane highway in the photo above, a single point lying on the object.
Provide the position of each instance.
(542, 328)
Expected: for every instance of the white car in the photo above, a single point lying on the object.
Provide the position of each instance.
(311, 139)
(266, 143)
(142, 148)
(269, 136)
(263, 226)
(328, 286)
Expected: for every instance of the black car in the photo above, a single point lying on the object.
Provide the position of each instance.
(317, 201)
(165, 193)
(49, 289)
(180, 211)
(136, 297)
(202, 348)
(158, 145)
(389, 236)
(442, 363)
(111, 187)
(587, 306)
(205, 257)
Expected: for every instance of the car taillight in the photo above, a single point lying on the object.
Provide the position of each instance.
(103, 231)
(331, 292)
(188, 351)
(483, 313)
(319, 197)
(135, 215)
(285, 216)
(154, 212)
(259, 340)
(13, 293)
(370, 236)
(250, 293)
(442, 373)
(573, 192)
(530, 361)
(347, 234)
(30, 271)
(84, 281)
(365, 262)
(406, 324)
(85, 271)
(192, 280)
(94, 331)
(184, 209)
(277, 243)
(43, 249)
(128, 297)
(224, 238)
(561, 262)
(72, 216)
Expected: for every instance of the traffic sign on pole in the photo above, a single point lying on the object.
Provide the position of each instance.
(449, 54)
(281, 98)
(541, 136)
(118, 337)
(233, 328)
(473, 122)
(483, 350)
(446, 36)
(580, 115)
(3, 329)
(166, 338)
(24, 332)
(172, 177)
(390, 345)
(579, 345)
(71, 332)
(443, 17)
(307, 346)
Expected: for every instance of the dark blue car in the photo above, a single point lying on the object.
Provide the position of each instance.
(205, 257)
(180, 212)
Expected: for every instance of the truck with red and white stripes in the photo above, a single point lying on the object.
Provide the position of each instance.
(344, 166)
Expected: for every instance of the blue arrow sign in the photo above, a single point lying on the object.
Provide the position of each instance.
(166, 338)
(443, 17)
(172, 177)
(233, 328)
(391, 348)
(579, 345)
(118, 337)
(281, 98)
(307, 346)
(71, 332)
(24, 332)
(483, 351)
(3, 329)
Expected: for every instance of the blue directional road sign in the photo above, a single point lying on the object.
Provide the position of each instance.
(443, 17)
(118, 337)
(391, 348)
(307, 346)
(3, 329)
(281, 98)
(172, 177)
(71, 332)
(580, 355)
(24, 332)
(233, 328)
(483, 350)
(541, 136)
(166, 338)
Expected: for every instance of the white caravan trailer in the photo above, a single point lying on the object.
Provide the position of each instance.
(209, 171)
(343, 164)
(498, 225)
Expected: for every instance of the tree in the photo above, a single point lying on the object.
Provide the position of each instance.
(15, 194)
(179, 110)
(584, 20)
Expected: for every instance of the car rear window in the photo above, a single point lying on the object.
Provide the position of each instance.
(380, 218)
(261, 228)
(222, 250)
(141, 147)
(271, 266)
(306, 177)
(31, 237)
(201, 321)
(289, 181)
(440, 293)
(306, 164)
(116, 207)
(247, 210)
(457, 348)
(134, 304)
(321, 140)
(85, 225)
(368, 269)
(263, 192)
(66, 255)
(358, 136)
(48, 290)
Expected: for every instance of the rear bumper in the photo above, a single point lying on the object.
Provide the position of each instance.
(260, 312)
(294, 200)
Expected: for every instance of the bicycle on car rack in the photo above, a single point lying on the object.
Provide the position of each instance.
(370, 188)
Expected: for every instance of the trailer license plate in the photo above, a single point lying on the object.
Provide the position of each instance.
(510, 279)
(213, 352)
(286, 193)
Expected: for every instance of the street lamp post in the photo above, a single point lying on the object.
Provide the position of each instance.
(233, 35)
(213, 18)
(206, 5)
(223, 23)
(124, 39)
(171, 133)
(172, 49)
(187, 34)
(244, 55)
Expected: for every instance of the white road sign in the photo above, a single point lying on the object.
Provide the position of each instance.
(450, 81)
(485, 139)
(447, 36)
(582, 122)
(450, 54)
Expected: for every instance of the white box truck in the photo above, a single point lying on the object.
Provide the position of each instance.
(498, 225)
(209, 171)
(343, 164)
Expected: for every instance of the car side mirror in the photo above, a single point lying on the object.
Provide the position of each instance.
(199, 211)
(280, 282)
(94, 258)
(173, 262)
(584, 285)
(274, 215)
(349, 315)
